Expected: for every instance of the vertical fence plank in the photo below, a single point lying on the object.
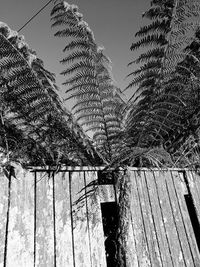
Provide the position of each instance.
(95, 221)
(128, 233)
(80, 226)
(170, 226)
(160, 225)
(63, 221)
(138, 223)
(142, 205)
(194, 184)
(176, 206)
(180, 189)
(3, 215)
(152, 242)
(20, 247)
(130, 249)
(178, 220)
(158, 220)
(44, 221)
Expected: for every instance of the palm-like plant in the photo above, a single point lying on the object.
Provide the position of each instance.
(89, 80)
(157, 112)
(30, 102)
(158, 116)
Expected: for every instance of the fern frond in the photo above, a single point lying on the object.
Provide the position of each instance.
(30, 92)
(155, 26)
(152, 54)
(90, 82)
(77, 44)
(154, 39)
(79, 66)
(78, 55)
(146, 67)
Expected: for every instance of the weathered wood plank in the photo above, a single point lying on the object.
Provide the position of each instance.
(3, 215)
(180, 189)
(178, 219)
(196, 179)
(152, 241)
(44, 221)
(80, 225)
(158, 219)
(64, 250)
(169, 222)
(194, 184)
(106, 193)
(95, 223)
(127, 238)
(20, 246)
(138, 224)
(131, 252)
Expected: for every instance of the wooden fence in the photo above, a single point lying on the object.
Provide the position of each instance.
(41, 223)
(164, 218)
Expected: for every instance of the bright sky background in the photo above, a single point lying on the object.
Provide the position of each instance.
(114, 23)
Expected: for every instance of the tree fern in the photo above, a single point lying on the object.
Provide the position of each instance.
(156, 115)
(89, 79)
(31, 101)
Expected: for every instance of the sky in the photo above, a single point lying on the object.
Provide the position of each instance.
(113, 22)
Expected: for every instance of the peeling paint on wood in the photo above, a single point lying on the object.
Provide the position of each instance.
(95, 223)
(20, 247)
(178, 213)
(106, 193)
(153, 248)
(131, 255)
(194, 184)
(80, 226)
(169, 223)
(160, 232)
(158, 220)
(161, 218)
(44, 221)
(63, 221)
(138, 224)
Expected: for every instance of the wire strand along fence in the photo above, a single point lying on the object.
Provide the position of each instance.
(46, 220)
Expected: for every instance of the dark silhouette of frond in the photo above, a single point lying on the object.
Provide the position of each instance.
(89, 79)
(29, 96)
(158, 112)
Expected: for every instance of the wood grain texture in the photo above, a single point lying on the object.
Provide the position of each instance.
(106, 193)
(131, 251)
(180, 189)
(152, 241)
(63, 221)
(178, 218)
(138, 223)
(3, 215)
(157, 215)
(194, 184)
(80, 225)
(160, 232)
(170, 226)
(44, 221)
(20, 246)
(98, 258)
(128, 237)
